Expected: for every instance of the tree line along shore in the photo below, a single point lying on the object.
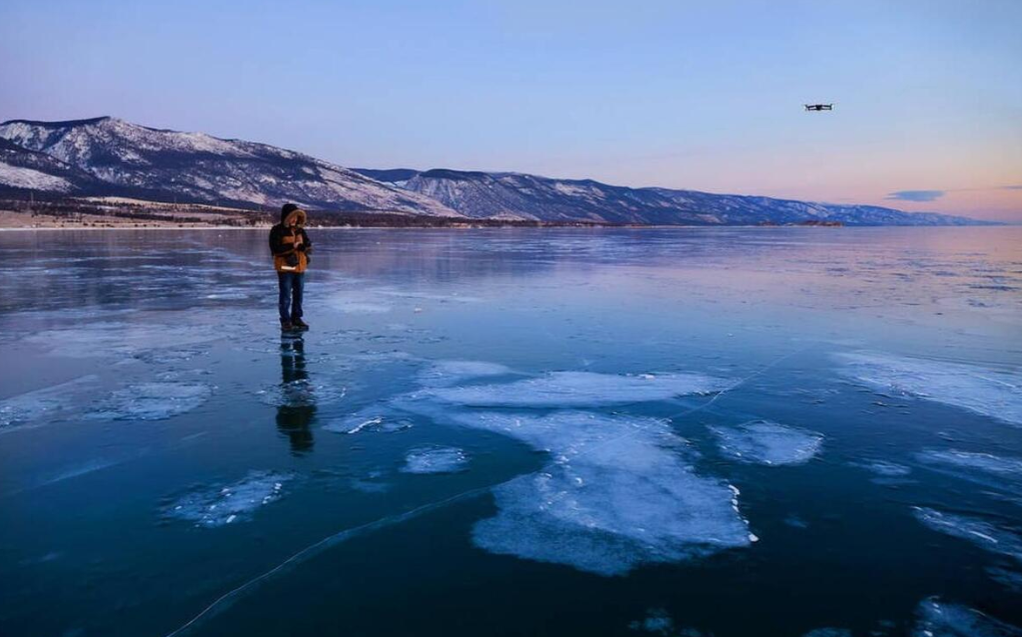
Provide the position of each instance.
(120, 213)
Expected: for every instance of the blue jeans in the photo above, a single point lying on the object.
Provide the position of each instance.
(292, 286)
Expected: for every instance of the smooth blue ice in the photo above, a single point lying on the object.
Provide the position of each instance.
(980, 532)
(358, 303)
(152, 401)
(582, 389)
(996, 393)
(1009, 579)
(229, 504)
(766, 442)
(435, 460)
(936, 618)
(829, 632)
(620, 492)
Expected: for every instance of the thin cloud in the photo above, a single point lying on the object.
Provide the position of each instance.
(916, 195)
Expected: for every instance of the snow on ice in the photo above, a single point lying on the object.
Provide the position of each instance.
(984, 534)
(582, 389)
(989, 392)
(935, 618)
(621, 492)
(153, 401)
(435, 460)
(221, 505)
(766, 442)
(35, 407)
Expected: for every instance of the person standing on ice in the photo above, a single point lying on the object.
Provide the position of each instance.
(291, 247)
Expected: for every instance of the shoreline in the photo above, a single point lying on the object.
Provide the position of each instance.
(151, 228)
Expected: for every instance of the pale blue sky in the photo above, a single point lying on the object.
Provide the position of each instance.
(679, 94)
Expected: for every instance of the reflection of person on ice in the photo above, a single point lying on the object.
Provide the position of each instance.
(291, 248)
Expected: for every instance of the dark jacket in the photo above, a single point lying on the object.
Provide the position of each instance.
(290, 246)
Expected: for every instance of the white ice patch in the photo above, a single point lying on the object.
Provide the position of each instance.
(994, 466)
(581, 389)
(980, 532)
(766, 442)
(152, 401)
(990, 392)
(935, 618)
(883, 468)
(659, 622)
(1001, 475)
(435, 460)
(619, 493)
(230, 504)
(446, 373)
(35, 407)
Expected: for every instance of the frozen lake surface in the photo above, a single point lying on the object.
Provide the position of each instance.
(728, 432)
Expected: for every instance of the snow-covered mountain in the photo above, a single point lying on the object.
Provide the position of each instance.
(518, 196)
(200, 168)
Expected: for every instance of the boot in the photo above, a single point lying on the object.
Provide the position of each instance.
(299, 324)
(286, 326)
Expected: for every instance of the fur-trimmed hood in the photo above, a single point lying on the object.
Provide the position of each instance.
(298, 214)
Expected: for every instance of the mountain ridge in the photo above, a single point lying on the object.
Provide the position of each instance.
(513, 195)
(107, 156)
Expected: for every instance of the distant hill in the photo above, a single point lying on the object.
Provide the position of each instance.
(196, 167)
(519, 196)
(108, 157)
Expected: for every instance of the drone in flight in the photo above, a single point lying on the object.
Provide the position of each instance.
(819, 107)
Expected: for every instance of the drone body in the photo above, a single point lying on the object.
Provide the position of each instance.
(819, 107)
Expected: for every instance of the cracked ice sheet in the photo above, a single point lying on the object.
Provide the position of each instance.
(115, 339)
(301, 392)
(374, 418)
(36, 407)
(446, 373)
(621, 492)
(935, 618)
(152, 401)
(989, 392)
(769, 443)
(435, 460)
(581, 389)
(237, 502)
(357, 303)
(976, 530)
